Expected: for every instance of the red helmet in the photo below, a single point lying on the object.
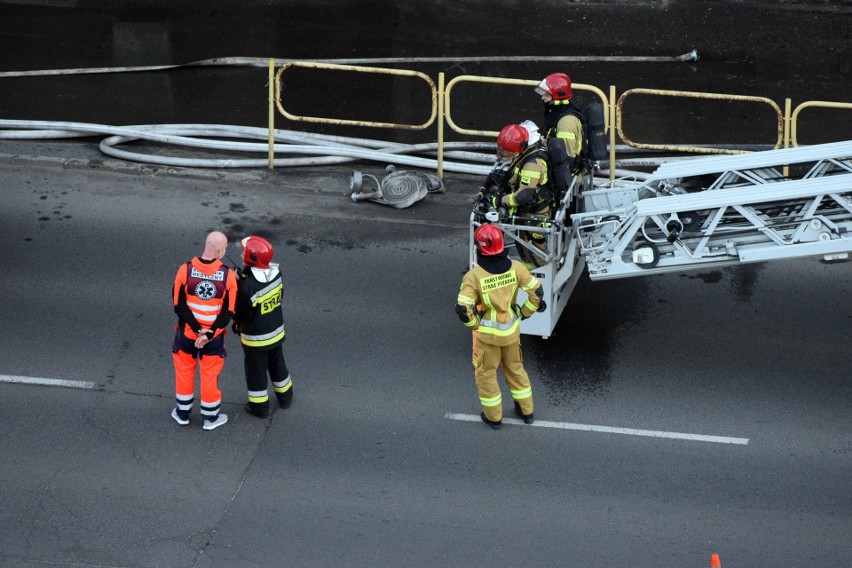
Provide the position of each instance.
(489, 239)
(512, 140)
(257, 252)
(558, 85)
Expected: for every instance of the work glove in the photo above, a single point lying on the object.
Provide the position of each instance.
(542, 305)
(461, 311)
(518, 311)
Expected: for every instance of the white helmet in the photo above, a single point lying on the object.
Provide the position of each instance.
(531, 127)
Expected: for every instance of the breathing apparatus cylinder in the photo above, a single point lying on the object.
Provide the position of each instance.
(597, 132)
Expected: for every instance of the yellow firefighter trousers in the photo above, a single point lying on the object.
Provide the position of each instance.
(486, 359)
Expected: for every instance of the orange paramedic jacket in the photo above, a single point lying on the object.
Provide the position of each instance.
(205, 296)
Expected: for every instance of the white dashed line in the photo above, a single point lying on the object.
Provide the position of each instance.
(609, 430)
(47, 382)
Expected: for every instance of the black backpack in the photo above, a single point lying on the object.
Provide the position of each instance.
(594, 131)
(593, 149)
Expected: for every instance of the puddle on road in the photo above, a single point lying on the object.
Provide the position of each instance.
(742, 278)
(577, 360)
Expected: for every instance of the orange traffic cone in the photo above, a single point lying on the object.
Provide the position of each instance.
(714, 561)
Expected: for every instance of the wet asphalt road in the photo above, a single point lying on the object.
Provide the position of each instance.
(365, 470)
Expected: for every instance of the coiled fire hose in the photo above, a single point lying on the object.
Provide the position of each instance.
(398, 189)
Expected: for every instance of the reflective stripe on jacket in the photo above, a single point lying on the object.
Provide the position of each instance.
(528, 182)
(206, 287)
(259, 315)
(561, 122)
(490, 299)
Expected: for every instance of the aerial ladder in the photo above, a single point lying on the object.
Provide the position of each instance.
(688, 214)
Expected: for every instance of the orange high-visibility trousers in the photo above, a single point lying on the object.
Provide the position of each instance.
(209, 367)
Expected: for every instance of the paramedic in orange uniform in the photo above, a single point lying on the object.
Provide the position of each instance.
(204, 295)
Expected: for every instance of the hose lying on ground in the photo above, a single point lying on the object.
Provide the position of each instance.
(322, 149)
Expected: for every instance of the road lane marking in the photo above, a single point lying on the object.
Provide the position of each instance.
(47, 382)
(609, 430)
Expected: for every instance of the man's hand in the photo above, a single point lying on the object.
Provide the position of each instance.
(204, 336)
(497, 180)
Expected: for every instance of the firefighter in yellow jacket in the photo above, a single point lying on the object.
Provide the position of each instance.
(563, 130)
(487, 305)
(528, 192)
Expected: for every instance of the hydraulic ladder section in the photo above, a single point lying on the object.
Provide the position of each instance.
(720, 210)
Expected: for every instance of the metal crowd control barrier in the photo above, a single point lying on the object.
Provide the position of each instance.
(447, 95)
(696, 95)
(340, 121)
(441, 108)
(359, 69)
(794, 118)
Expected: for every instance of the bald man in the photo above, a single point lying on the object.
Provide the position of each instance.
(204, 297)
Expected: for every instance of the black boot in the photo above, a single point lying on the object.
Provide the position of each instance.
(285, 399)
(495, 425)
(527, 418)
(259, 409)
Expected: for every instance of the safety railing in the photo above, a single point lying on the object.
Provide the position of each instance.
(503, 81)
(614, 115)
(341, 121)
(358, 69)
(447, 96)
(695, 95)
(794, 118)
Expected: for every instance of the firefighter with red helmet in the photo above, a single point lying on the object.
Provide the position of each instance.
(260, 322)
(204, 298)
(528, 187)
(563, 128)
(528, 191)
(487, 305)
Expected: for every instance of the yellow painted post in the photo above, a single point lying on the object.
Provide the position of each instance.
(271, 113)
(611, 132)
(788, 104)
(441, 125)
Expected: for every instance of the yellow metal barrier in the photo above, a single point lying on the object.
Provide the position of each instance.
(822, 104)
(359, 69)
(611, 117)
(446, 115)
(440, 125)
(271, 119)
(696, 95)
(504, 81)
(613, 111)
